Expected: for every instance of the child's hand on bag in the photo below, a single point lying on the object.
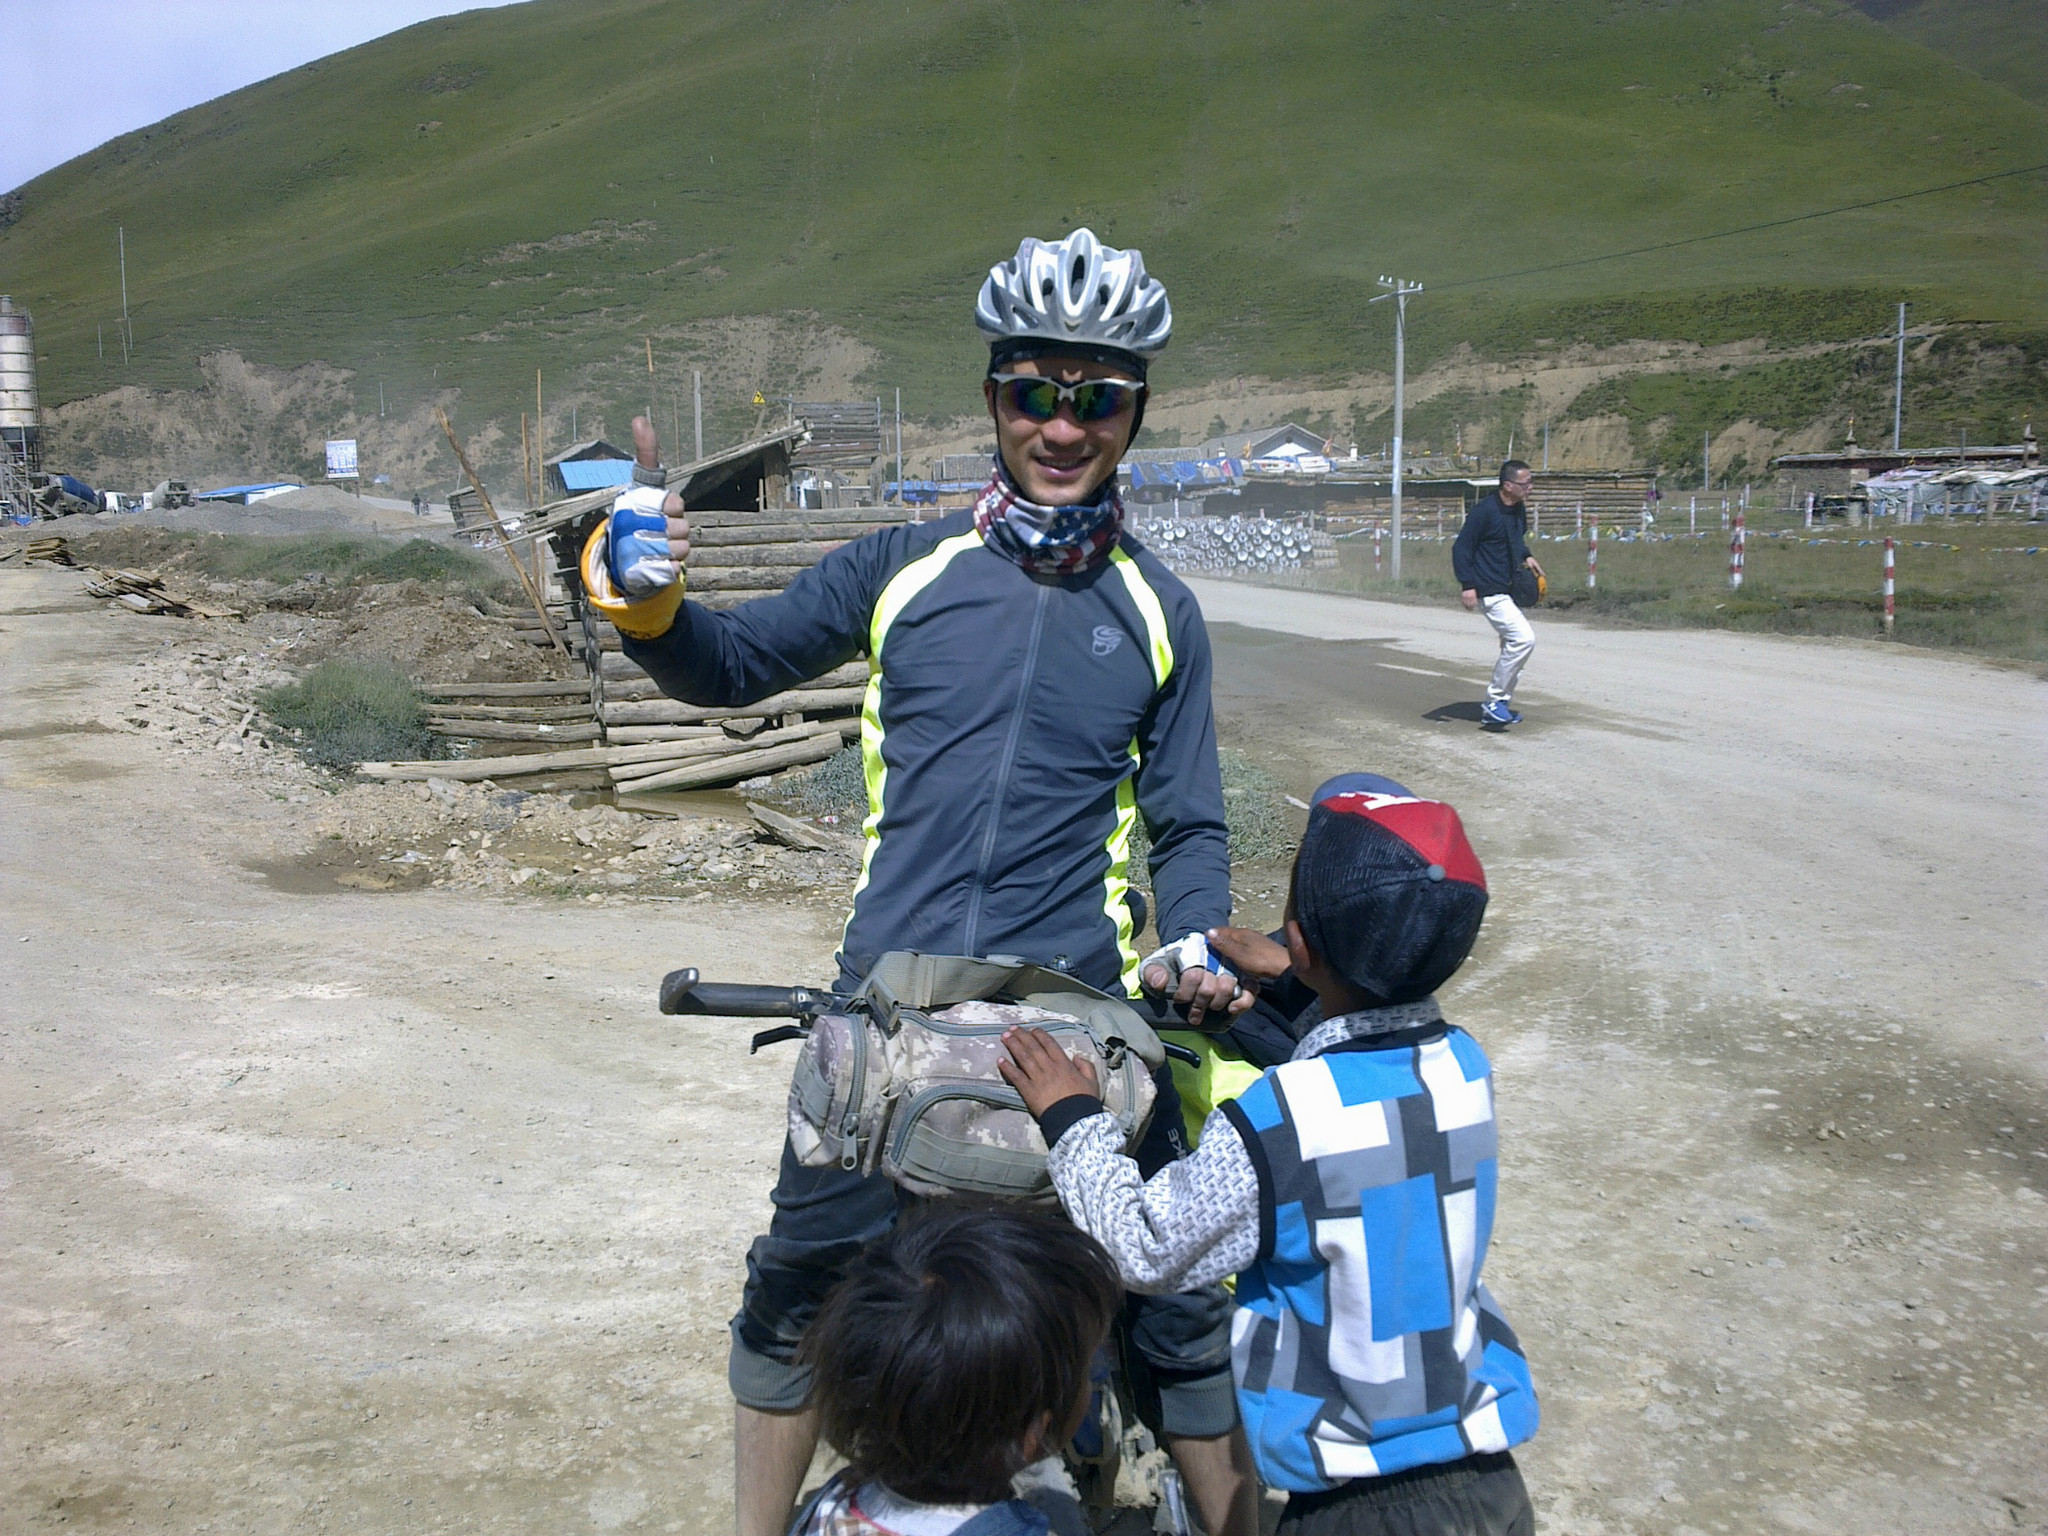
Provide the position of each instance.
(1042, 1072)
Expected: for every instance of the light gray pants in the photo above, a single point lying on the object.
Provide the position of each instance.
(1517, 640)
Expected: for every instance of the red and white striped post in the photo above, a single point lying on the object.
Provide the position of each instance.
(1593, 555)
(1888, 571)
(1736, 542)
(1375, 551)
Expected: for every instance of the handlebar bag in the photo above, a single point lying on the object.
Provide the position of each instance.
(906, 1079)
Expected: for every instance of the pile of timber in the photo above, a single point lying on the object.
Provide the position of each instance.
(546, 712)
(145, 592)
(51, 549)
(736, 556)
(651, 742)
(643, 740)
(708, 759)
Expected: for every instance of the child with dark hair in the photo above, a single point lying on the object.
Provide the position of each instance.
(1351, 1190)
(953, 1355)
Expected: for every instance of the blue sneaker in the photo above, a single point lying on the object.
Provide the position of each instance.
(1493, 712)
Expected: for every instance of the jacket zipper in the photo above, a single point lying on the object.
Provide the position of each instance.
(969, 930)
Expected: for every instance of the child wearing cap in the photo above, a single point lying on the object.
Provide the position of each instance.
(1350, 1189)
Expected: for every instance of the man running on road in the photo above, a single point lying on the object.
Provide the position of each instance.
(1488, 556)
(1037, 680)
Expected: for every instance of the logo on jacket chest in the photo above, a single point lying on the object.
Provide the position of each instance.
(1106, 639)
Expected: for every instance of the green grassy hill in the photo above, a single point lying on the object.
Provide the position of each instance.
(2002, 40)
(548, 184)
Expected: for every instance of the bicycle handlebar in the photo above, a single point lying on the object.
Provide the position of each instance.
(682, 992)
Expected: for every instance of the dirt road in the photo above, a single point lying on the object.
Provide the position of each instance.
(1763, 980)
(401, 1211)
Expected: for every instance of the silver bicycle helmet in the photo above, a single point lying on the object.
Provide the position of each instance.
(1074, 295)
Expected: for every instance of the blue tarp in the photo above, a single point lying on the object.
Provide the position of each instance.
(1187, 472)
(908, 491)
(594, 474)
(242, 492)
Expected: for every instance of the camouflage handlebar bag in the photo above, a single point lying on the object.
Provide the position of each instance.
(905, 1080)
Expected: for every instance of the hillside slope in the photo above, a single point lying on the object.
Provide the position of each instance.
(547, 185)
(2002, 40)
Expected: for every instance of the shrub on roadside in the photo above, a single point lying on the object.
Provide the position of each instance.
(346, 712)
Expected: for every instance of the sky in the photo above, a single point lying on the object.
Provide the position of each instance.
(96, 69)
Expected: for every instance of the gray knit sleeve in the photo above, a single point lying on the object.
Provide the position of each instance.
(1195, 1222)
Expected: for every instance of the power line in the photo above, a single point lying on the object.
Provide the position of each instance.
(1747, 229)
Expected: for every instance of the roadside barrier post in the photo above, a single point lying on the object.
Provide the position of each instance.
(1692, 515)
(1888, 572)
(1375, 551)
(1735, 546)
(1579, 521)
(1593, 556)
(1809, 509)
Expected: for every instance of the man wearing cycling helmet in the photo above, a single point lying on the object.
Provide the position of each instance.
(1037, 680)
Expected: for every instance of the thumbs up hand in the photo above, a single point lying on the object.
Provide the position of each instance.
(648, 538)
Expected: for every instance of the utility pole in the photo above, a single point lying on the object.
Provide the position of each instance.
(1398, 290)
(697, 406)
(1899, 380)
(127, 333)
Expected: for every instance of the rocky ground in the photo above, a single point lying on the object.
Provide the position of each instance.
(194, 696)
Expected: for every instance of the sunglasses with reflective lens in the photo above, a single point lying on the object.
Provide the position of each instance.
(1040, 399)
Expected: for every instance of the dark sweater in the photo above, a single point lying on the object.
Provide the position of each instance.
(1491, 547)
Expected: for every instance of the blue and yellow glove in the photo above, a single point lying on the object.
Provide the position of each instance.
(628, 573)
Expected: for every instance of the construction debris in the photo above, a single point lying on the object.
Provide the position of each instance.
(50, 550)
(146, 593)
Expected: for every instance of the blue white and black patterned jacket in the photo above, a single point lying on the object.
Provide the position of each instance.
(1014, 728)
(1351, 1190)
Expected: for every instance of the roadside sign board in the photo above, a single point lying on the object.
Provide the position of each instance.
(341, 459)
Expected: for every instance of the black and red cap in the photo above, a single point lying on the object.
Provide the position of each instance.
(1388, 890)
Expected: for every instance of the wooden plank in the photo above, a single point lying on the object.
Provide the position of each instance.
(469, 770)
(718, 602)
(742, 765)
(833, 521)
(712, 536)
(674, 712)
(754, 556)
(735, 578)
(531, 714)
(679, 752)
(636, 734)
(569, 688)
(669, 746)
(641, 686)
(494, 730)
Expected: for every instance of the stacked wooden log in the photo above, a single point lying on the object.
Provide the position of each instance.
(642, 740)
(549, 711)
(650, 766)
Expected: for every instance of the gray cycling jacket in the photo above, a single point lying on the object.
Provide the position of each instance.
(1014, 728)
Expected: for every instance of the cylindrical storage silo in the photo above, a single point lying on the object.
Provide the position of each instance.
(20, 421)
